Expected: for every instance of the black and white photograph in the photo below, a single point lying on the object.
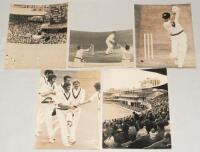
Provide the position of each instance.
(136, 112)
(164, 36)
(68, 110)
(37, 36)
(101, 38)
(101, 47)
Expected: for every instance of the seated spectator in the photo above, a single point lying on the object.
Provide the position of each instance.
(132, 132)
(162, 144)
(152, 134)
(31, 33)
(142, 131)
(149, 129)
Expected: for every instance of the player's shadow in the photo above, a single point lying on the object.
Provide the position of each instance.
(101, 57)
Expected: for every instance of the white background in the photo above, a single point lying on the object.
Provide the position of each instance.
(101, 15)
(18, 95)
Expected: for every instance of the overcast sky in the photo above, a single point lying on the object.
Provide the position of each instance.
(128, 78)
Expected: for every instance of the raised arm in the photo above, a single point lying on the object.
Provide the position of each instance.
(175, 13)
(82, 100)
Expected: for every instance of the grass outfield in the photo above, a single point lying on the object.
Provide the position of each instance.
(112, 111)
(148, 20)
(101, 57)
(84, 39)
(162, 59)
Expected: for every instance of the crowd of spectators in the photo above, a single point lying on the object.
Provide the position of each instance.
(149, 130)
(137, 108)
(31, 33)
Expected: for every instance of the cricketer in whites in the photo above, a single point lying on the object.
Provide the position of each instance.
(178, 36)
(62, 101)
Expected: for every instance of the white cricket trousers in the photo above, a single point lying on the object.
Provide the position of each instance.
(44, 115)
(179, 48)
(66, 123)
(110, 48)
(76, 114)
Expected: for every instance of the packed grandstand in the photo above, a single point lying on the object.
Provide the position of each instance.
(38, 24)
(148, 126)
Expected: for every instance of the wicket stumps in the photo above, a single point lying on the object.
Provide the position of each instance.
(148, 46)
